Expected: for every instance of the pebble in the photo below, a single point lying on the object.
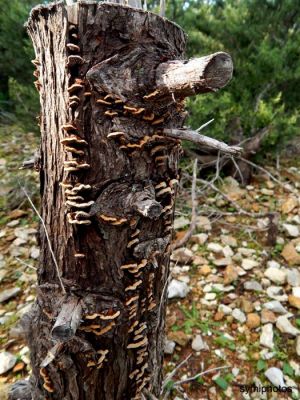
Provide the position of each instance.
(239, 315)
(253, 320)
(266, 336)
(290, 254)
(224, 309)
(275, 275)
(179, 337)
(200, 238)
(249, 264)
(293, 277)
(177, 289)
(284, 325)
(294, 301)
(276, 293)
(230, 274)
(296, 291)
(273, 264)
(222, 262)
(205, 270)
(275, 376)
(275, 306)
(268, 316)
(203, 223)
(210, 296)
(247, 306)
(7, 361)
(214, 247)
(198, 344)
(253, 285)
(182, 255)
(229, 241)
(169, 346)
(9, 294)
(298, 346)
(291, 230)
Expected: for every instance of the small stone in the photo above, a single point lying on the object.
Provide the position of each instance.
(203, 223)
(224, 309)
(267, 192)
(218, 316)
(296, 291)
(268, 316)
(34, 252)
(273, 264)
(275, 306)
(230, 274)
(294, 301)
(247, 306)
(249, 264)
(205, 270)
(222, 262)
(181, 222)
(7, 361)
(239, 315)
(253, 320)
(210, 296)
(266, 336)
(253, 285)
(284, 325)
(9, 294)
(198, 344)
(16, 214)
(200, 238)
(177, 289)
(275, 275)
(293, 276)
(18, 367)
(275, 376)
(214, 247)
(291, 230)
(289, 205)
(229, 241)
(179, 337)
(298, 346)
(182, 255)
(169, 346)
(276, 293)
(290, 254)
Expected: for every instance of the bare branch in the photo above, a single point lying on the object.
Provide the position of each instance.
(198, 375)
(195, 137)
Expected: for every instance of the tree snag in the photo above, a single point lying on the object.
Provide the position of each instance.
(111, 79)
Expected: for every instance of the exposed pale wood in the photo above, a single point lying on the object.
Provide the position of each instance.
(195, 137)
(68, 319)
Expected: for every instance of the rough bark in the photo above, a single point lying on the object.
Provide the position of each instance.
(108, 182)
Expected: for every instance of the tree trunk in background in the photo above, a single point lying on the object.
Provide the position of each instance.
(108, 184)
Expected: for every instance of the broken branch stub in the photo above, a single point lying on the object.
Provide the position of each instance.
(199, 75)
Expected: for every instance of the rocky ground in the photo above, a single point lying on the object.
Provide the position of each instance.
(233, 317)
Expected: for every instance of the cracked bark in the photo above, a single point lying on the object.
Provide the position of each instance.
(108, 183)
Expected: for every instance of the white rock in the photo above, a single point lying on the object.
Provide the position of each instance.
(182, 255)
(291, 230)
(298, 346)
(293, 277)
(275, 306)
(224, 309)
(296, 291)
(275, 376)
(222, 262)
(229, 241)
(273, 264)
(267, 355)
(239, 315)
(203, 223)
(210, 296)
(207, 288)
(200, 238)
(248, 264)
(198, 344)
(169, 346)
(227, 251)
(275, 275)
(284, 325)
(275, 292)
(181, 222)
(253, 285)
(214, 247)
(235, 371)
(8, 294)
(177, 289)
(7, 361)
(34, 252)
(266, 336)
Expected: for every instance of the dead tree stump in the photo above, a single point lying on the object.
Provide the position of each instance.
(111, 78)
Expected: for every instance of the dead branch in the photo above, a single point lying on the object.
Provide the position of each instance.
(195, 137)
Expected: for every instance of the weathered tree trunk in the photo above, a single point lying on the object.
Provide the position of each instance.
(108, 181)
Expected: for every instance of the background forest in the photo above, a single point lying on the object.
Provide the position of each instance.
(234, 292)
(263, 38)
